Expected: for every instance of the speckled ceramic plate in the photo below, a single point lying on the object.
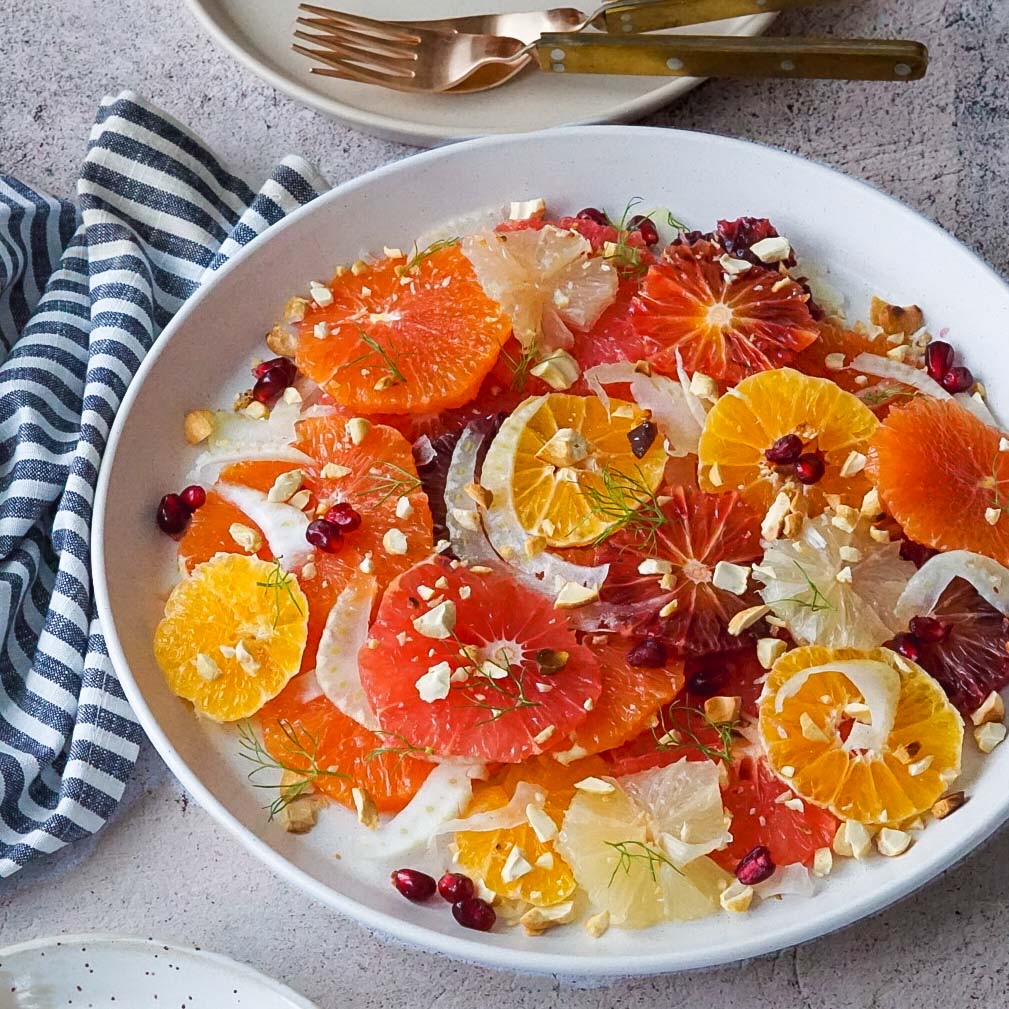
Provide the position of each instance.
(120, 972)
(258, 34)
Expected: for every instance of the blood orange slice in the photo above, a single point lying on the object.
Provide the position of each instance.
(938, 470)
(401, 338)
(661, 582)
(727, 326)
(500, 669)
(309, 733)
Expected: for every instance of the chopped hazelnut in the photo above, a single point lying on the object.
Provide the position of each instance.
(199, 425)
(992, 709)
(948, 804)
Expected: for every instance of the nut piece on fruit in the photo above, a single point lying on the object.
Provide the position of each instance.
(736, 897)
(852, 840)
(538, 919)
(246, 537)
(364, 804)
(560, 370)
(198, 426)
(282, 341)
(300, 812)
(989, 735)
(892, 842)
(723, 709)
(992, 709)
(478, 493)
(893, 319)
(747, 618)
(769, 650)
(948, 804)
(567, 447)
(598, 924)
(572, 595)
(823, 862)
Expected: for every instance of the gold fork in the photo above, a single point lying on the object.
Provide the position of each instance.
(427, 60)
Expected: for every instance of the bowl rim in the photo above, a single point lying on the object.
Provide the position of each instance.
(868, 900)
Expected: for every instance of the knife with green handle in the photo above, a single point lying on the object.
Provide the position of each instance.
(622, 18)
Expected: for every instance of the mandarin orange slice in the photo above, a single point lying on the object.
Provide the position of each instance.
(232, 635)
(416, 343)
(744, 423)
(887, 774)
(938, 470)
(727, 326)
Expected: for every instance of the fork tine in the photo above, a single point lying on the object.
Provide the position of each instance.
(359, 76)
(358, 22)
(355, 59)
(367, 44)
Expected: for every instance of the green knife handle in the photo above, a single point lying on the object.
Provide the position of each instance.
(623, 18)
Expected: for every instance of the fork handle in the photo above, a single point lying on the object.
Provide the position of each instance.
(623, 18)
(729, 56)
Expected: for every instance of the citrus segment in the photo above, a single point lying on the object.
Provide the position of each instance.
(503, 675)
(565, 467)
(661, 583)
(398, 340)
(804, 729)
(744, 424)
(727, 326)
(938, 469)
(232, 635)
(301, 732)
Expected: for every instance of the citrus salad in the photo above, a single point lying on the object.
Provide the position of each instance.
(604, 578)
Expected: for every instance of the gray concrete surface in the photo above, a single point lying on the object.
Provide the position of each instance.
(163, 867)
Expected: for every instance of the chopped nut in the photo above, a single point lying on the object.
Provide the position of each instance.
(732, 266)
(308, 572)
(723, 709)
(595, 786)
(898, 353)
(358, 267)
(516, 865)
(834, 362)
(206, 667)
(367, 811)
(948, 804)
(769, 650)
(552, 660)
(730, 577)
(655, 566)
(394, 542)
(300, 811)
(256, 410)
(357, 429)
(896, 319)
(879, 535)
(810, 730)
(989, 735)
(793, 524)
(871, 506)
(320, 294)
(437, 623)
(992, 515)
(522, 210)
(246, 537)
(294, 310)
(772, 250)
(747, 618)
(542, 824)
(920, 766)
(541, 737)
(852, 840)
(282, 340)
(198, 426)
(538, 919)
(334, 471)
(598, 924)
(770, 528)
(851, 554)
(891, 842)
(566, 447)
(992, 709)
(854, 463)
(669, 608)
(285, 486)
(704, 386)
(844, 575)
(435, 684)
(242, 400)
(466, 518)
(736, 897)
(291, 396)
(715, 475)
(385, 382)
(560, 370)
(480, 494)
(572, 595)
(845, 518)
(823, 862)
(906, 752)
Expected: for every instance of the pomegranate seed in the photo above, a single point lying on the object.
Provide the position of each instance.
(282, 367)
(785, 450)
(344, 516)
(938, 359)
(269, 388)
(413, 884)
(957, 380)
(324, 535)
(809, 468)
(755, 866)
(907, 645)
(193, 497)
(929, 630)
(474, 913)
(646, 227)
(173, 515)
(642, 437)
(594, 215)
(709, 678)
(650, 653)
(454, 886)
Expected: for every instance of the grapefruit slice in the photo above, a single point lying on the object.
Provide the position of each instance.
(403, 337)
(232, 635)
(304, 732)
(938, 470)
(675, 598)
(727, 326)
(900, 762)
(501, 670)
(743, 425)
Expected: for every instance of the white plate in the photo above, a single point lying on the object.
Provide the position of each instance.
(258, 34)
(120, 972)
(867, 243)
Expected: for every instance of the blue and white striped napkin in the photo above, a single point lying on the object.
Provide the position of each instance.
(84, 292)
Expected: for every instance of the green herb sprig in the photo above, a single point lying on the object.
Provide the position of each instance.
(670, 737)
(631, 851)
(278, 581)
(625, 502)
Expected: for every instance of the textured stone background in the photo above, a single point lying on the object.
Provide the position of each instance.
(163, 867)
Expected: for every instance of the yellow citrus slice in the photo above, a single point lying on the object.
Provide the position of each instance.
(745, 422)
(562, 467)
(232, 635)
(882, 765)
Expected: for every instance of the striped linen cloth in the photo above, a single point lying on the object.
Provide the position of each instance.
(84, 292)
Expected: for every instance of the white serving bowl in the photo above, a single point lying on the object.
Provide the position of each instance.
(864, 241)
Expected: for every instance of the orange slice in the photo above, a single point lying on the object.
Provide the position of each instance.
(232, 635)
(938, 470)
(804, 728)
(743, 424)
(727, 326)
(564, 467)
(397, 344)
